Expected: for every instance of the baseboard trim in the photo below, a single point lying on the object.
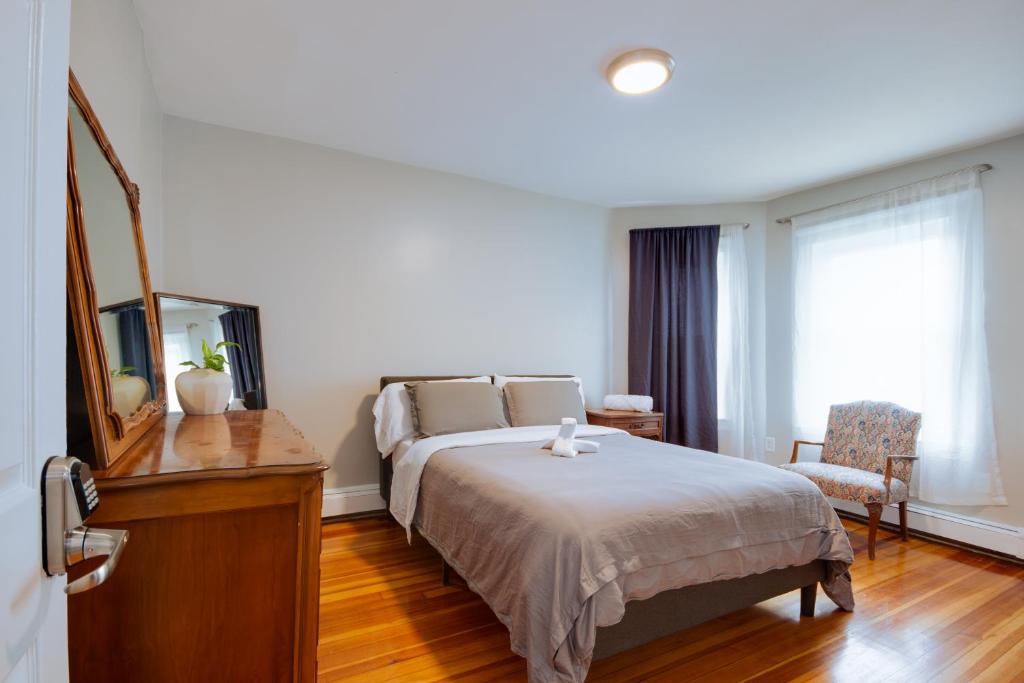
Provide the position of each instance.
(938, 525)
(372, 514)
(351, 500)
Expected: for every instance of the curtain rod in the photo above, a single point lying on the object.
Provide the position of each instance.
(980, 168)
(743, 225)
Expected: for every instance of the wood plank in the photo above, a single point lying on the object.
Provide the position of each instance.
(924, 612)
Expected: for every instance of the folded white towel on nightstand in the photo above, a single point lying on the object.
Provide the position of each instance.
(640, 404)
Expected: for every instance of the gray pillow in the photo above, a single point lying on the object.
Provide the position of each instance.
(544, 403)
(449, 407)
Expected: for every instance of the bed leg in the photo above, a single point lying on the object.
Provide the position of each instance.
(444, 573)
(808, 594)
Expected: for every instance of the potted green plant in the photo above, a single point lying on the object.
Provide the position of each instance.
(206, 389)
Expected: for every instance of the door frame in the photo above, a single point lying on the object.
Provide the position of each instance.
(34, 57)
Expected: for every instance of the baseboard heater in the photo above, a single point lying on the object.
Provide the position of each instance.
(1001, 540)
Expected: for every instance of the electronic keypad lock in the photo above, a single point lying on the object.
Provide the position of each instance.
(69, 497)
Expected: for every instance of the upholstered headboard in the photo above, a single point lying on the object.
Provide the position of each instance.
(391, 379)
(386, 469)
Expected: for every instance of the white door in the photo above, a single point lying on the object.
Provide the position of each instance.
(33, 165)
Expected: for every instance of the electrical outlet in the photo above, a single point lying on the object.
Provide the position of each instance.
(769, 444)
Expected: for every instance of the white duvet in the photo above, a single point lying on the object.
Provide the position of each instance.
(405, 483)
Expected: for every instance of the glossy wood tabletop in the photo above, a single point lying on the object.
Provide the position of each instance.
(624, 414)
(236, 443)
(925, 612)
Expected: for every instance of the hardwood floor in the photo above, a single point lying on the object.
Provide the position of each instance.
(925, 612)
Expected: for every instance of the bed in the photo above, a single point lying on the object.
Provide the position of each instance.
(584, 558)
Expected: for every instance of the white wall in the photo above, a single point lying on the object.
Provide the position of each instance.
(624, 219)
(363, 268)
(1003, 189)
(108, 58)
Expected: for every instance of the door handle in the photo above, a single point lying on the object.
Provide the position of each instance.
(83, 543)
(69, 497)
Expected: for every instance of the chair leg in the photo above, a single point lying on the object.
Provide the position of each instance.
(903, 520)
(874, 516)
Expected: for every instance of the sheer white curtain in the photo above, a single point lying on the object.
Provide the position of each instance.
(889, 305)
(736, 429)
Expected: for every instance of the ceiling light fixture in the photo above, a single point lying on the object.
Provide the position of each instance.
(640, 71)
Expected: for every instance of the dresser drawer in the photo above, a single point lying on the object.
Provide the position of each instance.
(639, 424)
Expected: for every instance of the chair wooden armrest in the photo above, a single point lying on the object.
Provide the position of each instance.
(888, 466)
(796, 447)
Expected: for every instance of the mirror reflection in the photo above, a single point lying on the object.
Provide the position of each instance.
(186, 322)
(110, 235)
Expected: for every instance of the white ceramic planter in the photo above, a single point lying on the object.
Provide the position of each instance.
(203, 392)
(129, 393)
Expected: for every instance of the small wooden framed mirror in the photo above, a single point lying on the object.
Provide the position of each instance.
(115, 368)
(186, 321)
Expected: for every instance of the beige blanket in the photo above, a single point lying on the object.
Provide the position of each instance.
(557, 546)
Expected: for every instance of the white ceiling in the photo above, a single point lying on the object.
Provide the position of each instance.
(768, 97)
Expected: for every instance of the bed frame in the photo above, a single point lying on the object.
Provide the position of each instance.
(674, 610)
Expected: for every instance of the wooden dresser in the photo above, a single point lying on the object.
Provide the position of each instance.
(220, 579)
(647, 425)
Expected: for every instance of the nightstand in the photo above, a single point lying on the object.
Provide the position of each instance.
(647, 425)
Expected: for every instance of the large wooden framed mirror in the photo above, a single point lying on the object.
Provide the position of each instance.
(116, 355)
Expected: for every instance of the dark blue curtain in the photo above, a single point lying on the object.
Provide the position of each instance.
(239, 325)
(134, 339)
(673, 328)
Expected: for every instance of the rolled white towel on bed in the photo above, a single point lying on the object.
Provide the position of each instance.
(562, 445)
(584, 446)
(639, 404)
(566, 445)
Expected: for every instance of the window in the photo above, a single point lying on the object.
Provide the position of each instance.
(736, 425)
(725, 340)
(870, 300)
(889, 305)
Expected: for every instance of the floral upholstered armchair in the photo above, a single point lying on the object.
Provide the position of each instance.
(867, 457)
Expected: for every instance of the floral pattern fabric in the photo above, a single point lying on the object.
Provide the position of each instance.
(849, 483)
(861, 435)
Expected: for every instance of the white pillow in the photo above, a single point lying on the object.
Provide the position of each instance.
(501, 380)
(392, 414)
